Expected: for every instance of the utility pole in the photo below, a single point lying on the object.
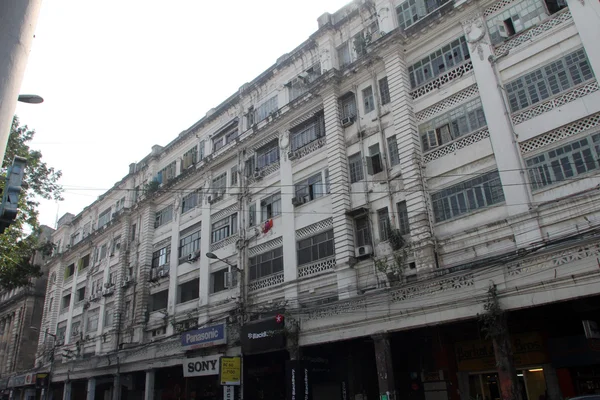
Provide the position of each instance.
(18, 19)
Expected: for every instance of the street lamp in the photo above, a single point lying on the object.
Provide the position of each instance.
(46, 333)
(30, 98)
(213, 256)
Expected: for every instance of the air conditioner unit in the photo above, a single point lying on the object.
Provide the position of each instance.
(258, 175)
(303, 75)
(108, 292)
(363, 251)
(163, 273)
(75, 332)
(194, 256)
(298, 201)
(153, 274)
(126, 281)
(60, 342)
(86, 305)
(292, 155)
(107, 284)
(347, 121)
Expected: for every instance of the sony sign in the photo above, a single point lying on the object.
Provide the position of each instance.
(201, 366)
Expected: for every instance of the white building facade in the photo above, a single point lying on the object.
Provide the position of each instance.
(373, 183)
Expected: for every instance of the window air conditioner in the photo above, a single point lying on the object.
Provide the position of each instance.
(292, 155)
(163, 274)
(258, 175)
(297, 201)
(194, 256)
(363, 251)
(347, 121)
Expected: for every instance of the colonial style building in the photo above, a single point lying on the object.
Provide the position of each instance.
(351, 208)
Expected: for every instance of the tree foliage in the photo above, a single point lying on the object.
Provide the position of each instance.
(20, 241)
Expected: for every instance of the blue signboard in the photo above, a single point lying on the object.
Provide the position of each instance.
(204, 337)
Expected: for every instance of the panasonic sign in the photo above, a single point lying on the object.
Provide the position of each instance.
(204, 337)
(201, 366)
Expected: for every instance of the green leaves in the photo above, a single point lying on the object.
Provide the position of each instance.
(20, 241)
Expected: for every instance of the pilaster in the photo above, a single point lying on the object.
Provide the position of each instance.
(343, 226)
(173, 265)
(149, 386)
(204, 262)
(385, 367)
(91, 389)
(144, 263)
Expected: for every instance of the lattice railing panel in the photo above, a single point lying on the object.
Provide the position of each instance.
(309, 148)
(447, 103)
(224, 212)
(266, 171)
(561, 133)
(428, 289)
(345, 307)
(314, 228)
(442, 80)
(223, 243)
(553, 260)
(560, 100)
(494, 8)
(316, 268)
(530, 35)
(458, 144)
(263, 247)
(266, 282)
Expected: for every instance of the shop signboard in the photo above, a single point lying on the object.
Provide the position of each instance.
(263, 336)
(204, 337)
(231, 371)
(478, 355)
(201, 366)
(298, 380)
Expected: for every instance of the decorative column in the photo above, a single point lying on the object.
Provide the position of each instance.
(385, 368)
(343, 226)
(586, 15)
(288, 220)
(67, 391)
(204, 262)
(174, 261)
(149, 386)
(144, 263)
(91, 389)
(504, 143)
(410, 153)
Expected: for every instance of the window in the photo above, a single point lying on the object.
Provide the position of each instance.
(316, 248)
(159, 300)
(411, 11)
(84, 262)
(189, 244)
(234, 176)
(299, 85)
(363, 231)
(112, 277)
(80, 294)
(189, 202)
(97, 286)
(250, 117)
(252, 215)
(550, 80)
(224, 228)
(92, 323)
(249, 167)
(218, 280)
(308, 132)
(188, 291)
(201, 150)
(227, 135)
(133, 229)
(403, 218)
(127, 311)
(61, 332)
(383, 220)
(439, 62)
(109, 314)
(265, 109)
(266, 264)
(368, 102)
(356, 168)
(87, 229)
(104, 219)
(116, 245)
(190, 158)
(161, 257)
(384, 91)
(311, 188)
(75, 239)
(519, 16)
(69, 270)
(119, 205)
(374, 161)
(103, 251)
(393, 149)
(459, 121)
(344, 55)
(270, 206)
(267, 155)
(163, 216)
(564, 162)
(75, 328)
(167, 173)
(66, 302)
(219, 184)
(348, 106)
(480, 192)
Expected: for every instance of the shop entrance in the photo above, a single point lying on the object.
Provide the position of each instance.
(531, 381)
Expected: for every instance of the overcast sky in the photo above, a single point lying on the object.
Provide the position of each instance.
(119, 76)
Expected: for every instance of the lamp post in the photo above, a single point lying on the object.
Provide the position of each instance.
(46, 395)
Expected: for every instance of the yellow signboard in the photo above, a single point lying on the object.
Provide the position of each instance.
(231, 370)
(478, 355)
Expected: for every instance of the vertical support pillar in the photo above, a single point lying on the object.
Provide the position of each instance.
(149, 386)
(173, 264)
(67, 391)
(91, 389)
(204, 262)
(144, 263)
(410, 153)
(552, 385)
(288, 221)
(343, 226)
(586, 15)
(385, 368)
(117, 387)
(504, 143)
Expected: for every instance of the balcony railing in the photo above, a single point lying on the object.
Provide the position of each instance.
(457, 144)
(266, 282)
(315, 268)
(442, 80)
